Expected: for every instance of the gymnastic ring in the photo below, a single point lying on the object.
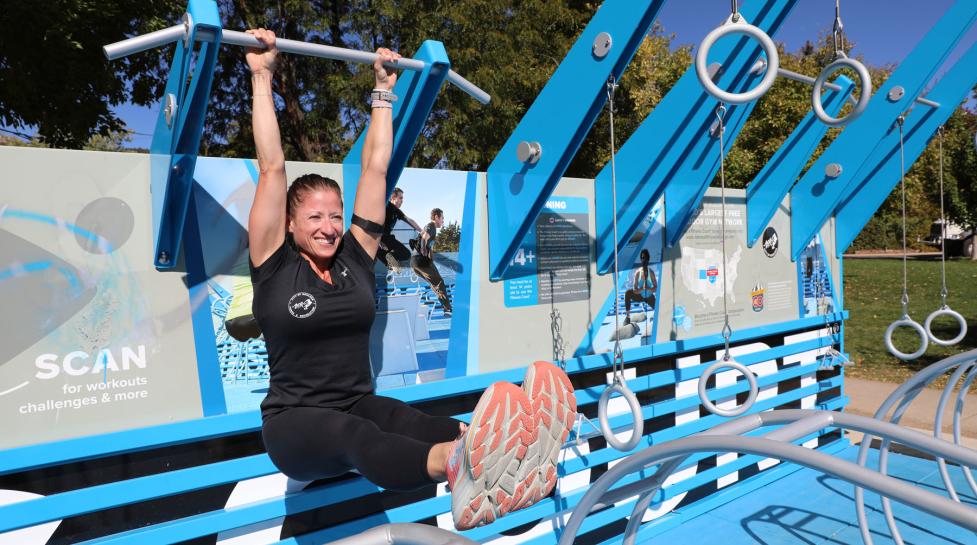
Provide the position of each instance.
(865, 80)
(732, 364)
(739, 27)
(906, 321)
(945, 311)
(638, 420)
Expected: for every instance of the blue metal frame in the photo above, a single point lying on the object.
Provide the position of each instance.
(417, 92)
(766, 192)
(462, 342)
(177, 143)
(654, 158)
(559, 120)
(817, 194)
(882, 171)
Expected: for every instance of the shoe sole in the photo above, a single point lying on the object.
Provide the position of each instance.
(554, 413)
(501, 458)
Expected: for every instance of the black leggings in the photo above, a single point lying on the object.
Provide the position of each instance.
(631, 297)
(393, 246)
(384, 439)
(424, 267)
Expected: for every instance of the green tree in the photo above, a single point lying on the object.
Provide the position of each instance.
(53, 76)
(448, 238)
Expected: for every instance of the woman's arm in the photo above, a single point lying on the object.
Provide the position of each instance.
(266, 223)
(371, 193)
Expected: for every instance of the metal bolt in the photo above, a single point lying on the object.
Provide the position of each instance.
(602, 45)
(176, 170)
(897, 93)
(529, 152)
(833, 170)
(169, 109)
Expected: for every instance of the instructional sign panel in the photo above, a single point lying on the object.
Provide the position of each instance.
(756, 286)
(552, 263)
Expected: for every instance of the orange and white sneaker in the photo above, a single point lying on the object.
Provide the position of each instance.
(494, 465)
(554, 414)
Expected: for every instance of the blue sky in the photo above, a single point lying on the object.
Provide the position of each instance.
(884, 32)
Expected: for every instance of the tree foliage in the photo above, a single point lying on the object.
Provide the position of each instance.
(57, 83)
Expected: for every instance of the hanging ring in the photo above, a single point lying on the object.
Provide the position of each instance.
(731, 364)
(906, 321)
(637, 419)
(945, 311)
(737, 27)
(864, 97)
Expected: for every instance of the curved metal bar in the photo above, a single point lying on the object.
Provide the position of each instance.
(945, 311)
(637, 419)
(906, 321)
(957, 410)
(903, 492)
(903, 395)
(405, 533)
(702, 62)
(864, 97)
(732, 364)
(938, 426)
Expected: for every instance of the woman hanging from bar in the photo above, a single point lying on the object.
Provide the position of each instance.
(314, 300)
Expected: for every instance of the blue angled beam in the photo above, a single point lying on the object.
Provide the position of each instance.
(767, 191)
(416, 92)
(558, 121)
(176, 139)
(880, 174)
(817, 194)
(673, 146)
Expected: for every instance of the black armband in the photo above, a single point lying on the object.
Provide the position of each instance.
(367, 225)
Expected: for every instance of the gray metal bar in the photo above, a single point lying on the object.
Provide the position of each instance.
(899, 490)
(242, 39)
(761, 67)
(405, 533)
(144, 42)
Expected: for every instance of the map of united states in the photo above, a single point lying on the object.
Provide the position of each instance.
(702, 270)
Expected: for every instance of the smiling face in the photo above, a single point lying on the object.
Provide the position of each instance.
(316, 224)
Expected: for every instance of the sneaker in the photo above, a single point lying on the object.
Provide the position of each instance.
(495, 462)
(554, 413)
(392, 263)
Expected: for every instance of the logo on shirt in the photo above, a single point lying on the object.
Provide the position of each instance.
(301, 305)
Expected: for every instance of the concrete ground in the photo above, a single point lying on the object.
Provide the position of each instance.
(867, 396)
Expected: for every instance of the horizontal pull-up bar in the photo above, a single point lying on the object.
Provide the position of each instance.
(180, 32)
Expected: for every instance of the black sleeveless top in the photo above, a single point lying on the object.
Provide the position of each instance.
(317, 334)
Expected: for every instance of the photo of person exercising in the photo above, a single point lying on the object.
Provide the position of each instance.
(392, 251)
(644, 286)
(423, 262)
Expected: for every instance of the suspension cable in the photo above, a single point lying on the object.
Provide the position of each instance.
(727, 330)
(618, 351)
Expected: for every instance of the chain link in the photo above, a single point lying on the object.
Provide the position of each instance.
(838, 32)
(556, 328)
(943, 290)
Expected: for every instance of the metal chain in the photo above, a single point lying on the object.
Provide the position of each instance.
(905, 276)
(943, 290)
(556, 328)
(618, 351)
(839, 27)
(734, 4)
(727, 330)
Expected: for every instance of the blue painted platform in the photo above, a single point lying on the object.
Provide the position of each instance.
(810, 508)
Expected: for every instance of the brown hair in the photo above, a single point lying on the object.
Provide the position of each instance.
(436, 212)
(308, 183)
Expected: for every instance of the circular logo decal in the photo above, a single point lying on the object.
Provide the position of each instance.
(771, 242)
(301, 305)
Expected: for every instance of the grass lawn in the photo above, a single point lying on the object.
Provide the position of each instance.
(873, 289)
